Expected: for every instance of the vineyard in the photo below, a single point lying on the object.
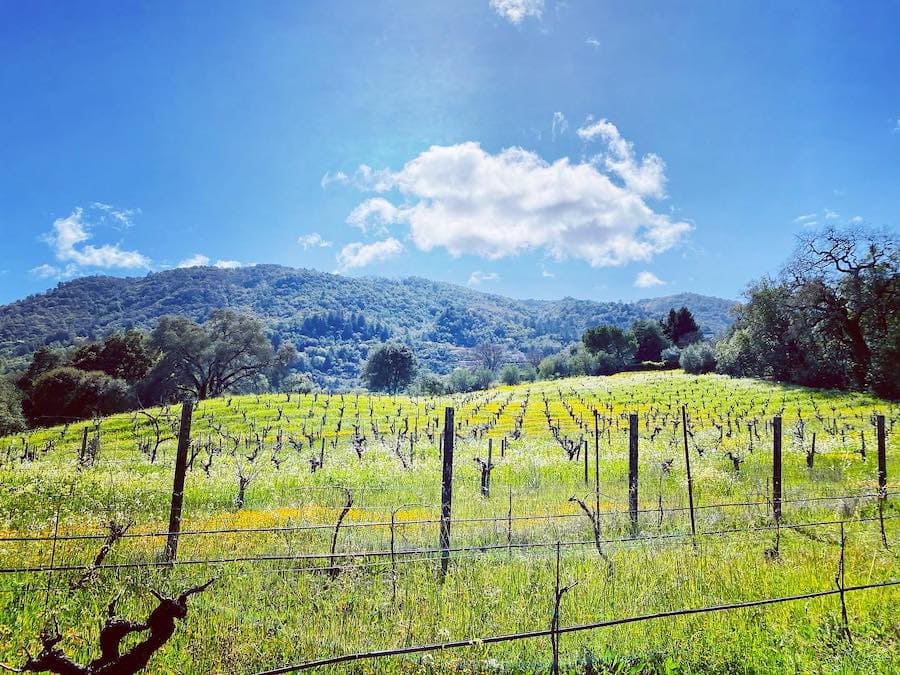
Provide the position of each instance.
(575, 523)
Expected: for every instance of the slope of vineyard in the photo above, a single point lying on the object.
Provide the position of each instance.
(291, 587)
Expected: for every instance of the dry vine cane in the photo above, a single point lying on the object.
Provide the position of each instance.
(161, 626)
(598, 537)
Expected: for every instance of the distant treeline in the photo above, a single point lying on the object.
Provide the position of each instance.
(333, 321)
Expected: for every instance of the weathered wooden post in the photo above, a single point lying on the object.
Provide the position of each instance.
(83, 446)
(490, 464)
(811, 455)
(446, 489)
(596, 446)
(687, 464)
(596, 481)
(882, 474)
(776, 468)
(633, 472)
(184, 441)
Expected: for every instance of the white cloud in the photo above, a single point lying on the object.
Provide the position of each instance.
(647, 279)
(831, 215)
(646, 177)
(67, 241)
(592, 42)
(200, 260)
(468, 201)
(805, 218)
(560, 124)
(359, 254)
(515, 11)
(478, 277)
(45, 271)
(377, 213)
(122, 217)
(312, 240)
(196, 260)
(547, 274)
(856, 220)
(339, 177)
(896, 129)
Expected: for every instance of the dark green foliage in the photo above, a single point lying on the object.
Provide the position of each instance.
(651, 340)
(832, 319)
(429, 384)
(207, 360)
(43, 360)
(680, 327)
(712, 314)
(126, 356)
(698, 358)
(390, 367)
(11, 418)
(332, 320)
(611, 340)
(67, 393)
(510, 374)
(670, 356)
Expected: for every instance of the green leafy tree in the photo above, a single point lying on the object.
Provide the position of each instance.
(698, 358)
(11, 418)
(67, 393)
(209, 359)
(680, 327)
(611, 340)
(43, 360)
(390, 367)
(126, 356)
(832, 319)
(651, 341)
(510, 374)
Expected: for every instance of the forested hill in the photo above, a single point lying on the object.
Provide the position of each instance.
(331, 319)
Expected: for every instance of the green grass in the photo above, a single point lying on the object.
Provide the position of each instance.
(264, 614)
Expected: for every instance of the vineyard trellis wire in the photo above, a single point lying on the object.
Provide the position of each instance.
(429, 553)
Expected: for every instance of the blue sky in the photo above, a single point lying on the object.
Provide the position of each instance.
(606, 150)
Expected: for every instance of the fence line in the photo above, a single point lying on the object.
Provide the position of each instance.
(383, 553)
(428, 521)
(494, 639)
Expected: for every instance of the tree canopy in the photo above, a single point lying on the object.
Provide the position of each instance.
(390, 367)
(206, 360)
(832, 318)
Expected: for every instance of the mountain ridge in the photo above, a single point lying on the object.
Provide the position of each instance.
(332, 319)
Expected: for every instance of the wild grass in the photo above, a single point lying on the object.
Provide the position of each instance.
(263, 614)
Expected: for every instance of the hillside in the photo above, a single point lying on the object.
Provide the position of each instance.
(331, 319)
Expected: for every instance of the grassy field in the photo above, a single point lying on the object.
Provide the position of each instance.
(382, 452)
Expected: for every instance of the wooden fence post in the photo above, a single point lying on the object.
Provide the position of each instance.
(446, 489)
(184, 441)
(633, 472)
(596, 445)
(597, 483)
(776, 468)
(83, 446)
(687, 464)
(882, 474)
(487, 482)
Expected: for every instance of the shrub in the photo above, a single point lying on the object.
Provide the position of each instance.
(62, 394)
(671, 356)
(482, 378)
(460, 380)
(429, 384)
(698, 358)
(510, 374)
